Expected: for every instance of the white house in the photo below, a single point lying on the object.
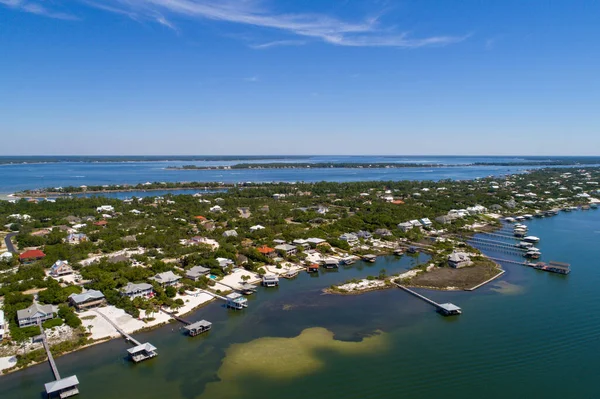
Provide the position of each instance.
(256, 228)
(105, 208)
(34, 314)
(60, 268)
(166, 279)
(405, 226)
(2, 325)
(286, 249)
(349, 238)
(133, 290)
(216, 209)
(230, 233)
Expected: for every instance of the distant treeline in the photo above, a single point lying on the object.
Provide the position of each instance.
(389, 165)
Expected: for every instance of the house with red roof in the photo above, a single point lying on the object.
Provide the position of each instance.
(267, 251)
(31, 256)
(101, 223)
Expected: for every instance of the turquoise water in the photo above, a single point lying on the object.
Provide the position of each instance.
(531, 334)
(17, 177)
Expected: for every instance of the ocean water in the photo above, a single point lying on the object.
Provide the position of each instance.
(32, 175)
(530, 334)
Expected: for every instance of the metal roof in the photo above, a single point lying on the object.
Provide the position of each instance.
(148, 347)
(61, 384)
(198, 324)
(449, 307)
(85, 296)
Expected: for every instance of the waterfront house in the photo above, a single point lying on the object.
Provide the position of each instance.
(196, 272)
(230, 233)
(383, 233)
(458, 260)
(86, 300)
(35, 314)
(235, 300)
(315, 242)
(133, 290)
(166, 279)
(286, 249)
(2, 325)
(105, 208)
(425, 222)
(60, 268)
(300, 242)
(267, 251)
(31, 256)
(312, 268)
(270, 280)
(365, 235)
(405, 226)
(256, 228)
(350, 238)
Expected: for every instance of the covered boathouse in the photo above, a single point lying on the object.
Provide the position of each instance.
(142, 352)
(63, 388)
(448, 309)
(198, 327)
(270, 280)
(235, 300)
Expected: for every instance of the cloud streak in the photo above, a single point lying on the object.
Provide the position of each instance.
(302, 27)
(37, 8)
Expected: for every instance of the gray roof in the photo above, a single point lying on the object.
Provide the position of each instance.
(148, 347)
(285, 247)
(458, 257)
(197, 271)
(61, 384)
(33, 310)
(86, 296)
(449, 307)
(198, 324)
(166, 277)
(131, 288)
(270, 277)
(315, 240)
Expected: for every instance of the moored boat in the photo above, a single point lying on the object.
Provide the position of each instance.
(532, 239)
(369, 258)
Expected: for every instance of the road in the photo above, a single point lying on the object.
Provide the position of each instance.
(9, 244)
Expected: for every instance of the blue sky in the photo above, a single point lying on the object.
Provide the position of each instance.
(299, 77)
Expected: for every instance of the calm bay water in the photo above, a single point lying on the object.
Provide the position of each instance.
(16, 177)
(530, 334)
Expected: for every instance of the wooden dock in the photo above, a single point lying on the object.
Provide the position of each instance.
(447, 309)
(213, 294)
(487, 281)
(61, 387)
(119, 330)
(140, 351)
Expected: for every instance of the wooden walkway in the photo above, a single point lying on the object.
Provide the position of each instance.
(213, 294)
(438, 306)
(504, 236)
(487, 281)
(116, 327)
(515, 262)
(174, 316)
(49, 354)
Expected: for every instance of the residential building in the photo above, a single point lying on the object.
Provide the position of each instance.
(166, 279)
(267, 251)
(286, 249)
(105, 208)
(445, 219)
(350, 238)
(225, 263)
(214, 244)
(365, 235)
(425, 222)
(86, 300)
(196, 272)
(216, 209)
(60, 268)
(133, 290)
(35, 314)
(458, 260)
(300, 242)
(31, 256)
(256, 228)
(2, 325)
(314, 242)
(235, 300)
(230, 233)
(416, 223)
(383, 233)
(76, 238)
(405, 226)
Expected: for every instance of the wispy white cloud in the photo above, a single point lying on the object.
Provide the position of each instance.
(278, 43)
(366, 32)
(36, 7)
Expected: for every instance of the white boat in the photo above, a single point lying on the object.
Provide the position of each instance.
(509, 220)
(528, 216)
(531, 239)
(520, 226)
(519, 218)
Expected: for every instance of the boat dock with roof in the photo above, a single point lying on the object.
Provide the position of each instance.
(61, 387)
(446, 309)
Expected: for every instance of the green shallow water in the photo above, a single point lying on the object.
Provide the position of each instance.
(530, 334)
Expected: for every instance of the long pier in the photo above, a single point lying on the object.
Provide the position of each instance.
(504, 236)
(119, 330)
(447, 309)
(62, 387)
(174, 316)
(487, 281)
